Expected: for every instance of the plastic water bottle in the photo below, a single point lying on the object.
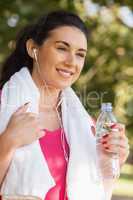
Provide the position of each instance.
(108, 162)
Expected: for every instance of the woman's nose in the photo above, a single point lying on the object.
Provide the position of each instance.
(70, 60)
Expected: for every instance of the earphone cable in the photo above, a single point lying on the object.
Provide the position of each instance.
(57, 112)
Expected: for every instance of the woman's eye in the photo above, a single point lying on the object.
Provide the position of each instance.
(62, 48)
(81, 55)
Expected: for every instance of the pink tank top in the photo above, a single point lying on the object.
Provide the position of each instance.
(51, 146)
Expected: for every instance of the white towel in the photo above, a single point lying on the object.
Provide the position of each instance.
(28, 173)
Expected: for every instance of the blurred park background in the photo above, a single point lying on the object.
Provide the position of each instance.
(108, 71)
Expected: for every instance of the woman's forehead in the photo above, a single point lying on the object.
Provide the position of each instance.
(69, 34)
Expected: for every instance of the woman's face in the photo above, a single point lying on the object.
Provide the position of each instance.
(61, 57)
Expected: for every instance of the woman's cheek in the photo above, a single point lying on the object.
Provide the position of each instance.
(75, 77)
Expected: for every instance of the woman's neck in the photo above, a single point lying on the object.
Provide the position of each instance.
(49, 96)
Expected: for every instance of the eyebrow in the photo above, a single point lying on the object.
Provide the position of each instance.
(67, 44)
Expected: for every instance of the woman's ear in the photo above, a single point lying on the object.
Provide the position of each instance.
(30, 46)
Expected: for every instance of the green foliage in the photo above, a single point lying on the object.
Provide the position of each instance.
(125, 184)
(108, 72)
(118, 2)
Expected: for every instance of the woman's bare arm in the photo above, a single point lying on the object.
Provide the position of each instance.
(6, 154)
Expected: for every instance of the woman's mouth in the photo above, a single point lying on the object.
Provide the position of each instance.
(65, 73)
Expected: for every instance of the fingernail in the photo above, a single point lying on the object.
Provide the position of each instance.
(113, 125)
(26, 103)
(104, 142)
(105, 136)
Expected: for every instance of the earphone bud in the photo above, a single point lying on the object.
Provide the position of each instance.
(35, 54)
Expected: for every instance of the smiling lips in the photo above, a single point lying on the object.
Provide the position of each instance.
(65, 73)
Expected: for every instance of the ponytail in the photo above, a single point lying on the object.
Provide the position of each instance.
(19, 57)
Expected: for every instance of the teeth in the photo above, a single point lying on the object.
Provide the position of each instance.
(64, 73)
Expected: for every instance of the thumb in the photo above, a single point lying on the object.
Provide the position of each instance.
(22, 109)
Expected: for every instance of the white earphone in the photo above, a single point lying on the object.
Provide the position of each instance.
(58, 104)
(35, 54)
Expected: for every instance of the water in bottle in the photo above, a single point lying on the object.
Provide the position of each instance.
(108, 162)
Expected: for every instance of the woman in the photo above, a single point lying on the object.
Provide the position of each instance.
(47, 146)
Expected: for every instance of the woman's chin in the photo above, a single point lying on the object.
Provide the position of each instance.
(60, 85)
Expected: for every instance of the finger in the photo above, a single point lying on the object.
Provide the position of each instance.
(114, 135)
(123, 142)
(31, 114)
(112, 149)
(123, 155)
(116, 148)
(116, 128)
(121, 152)
(124, 151)
(120, 127)
(22, 109)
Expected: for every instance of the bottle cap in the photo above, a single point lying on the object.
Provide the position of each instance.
(106, 107)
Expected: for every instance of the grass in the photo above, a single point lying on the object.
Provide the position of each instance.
(124, 186)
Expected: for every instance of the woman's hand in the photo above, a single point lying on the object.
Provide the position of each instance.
(23, 128)
(117, 142)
